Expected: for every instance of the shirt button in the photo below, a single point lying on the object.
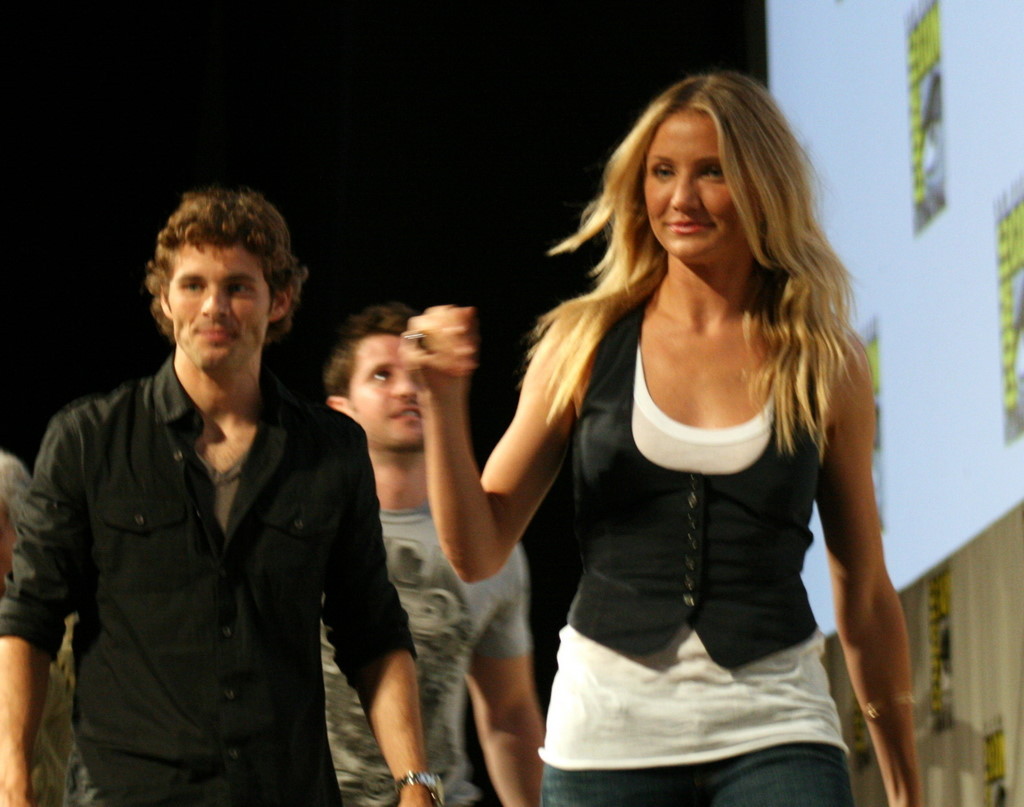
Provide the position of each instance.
(688, 599)
(229, 694)
(178, 455)
(140, 519)
(689, 581)
(298, 524)
(692, 500)
(691, 564)
(233, 753)
(226, 632)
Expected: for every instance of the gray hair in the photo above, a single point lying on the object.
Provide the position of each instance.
(14, 479)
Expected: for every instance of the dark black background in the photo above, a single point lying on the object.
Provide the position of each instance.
(427, 152)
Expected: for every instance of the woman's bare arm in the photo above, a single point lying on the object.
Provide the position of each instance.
(480, 518)
(869, 617)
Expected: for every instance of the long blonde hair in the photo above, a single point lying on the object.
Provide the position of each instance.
(801, 309)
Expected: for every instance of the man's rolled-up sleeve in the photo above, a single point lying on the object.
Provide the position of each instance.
(51, 553)
(362, 612)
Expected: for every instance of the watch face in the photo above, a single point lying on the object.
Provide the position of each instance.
(431, 781)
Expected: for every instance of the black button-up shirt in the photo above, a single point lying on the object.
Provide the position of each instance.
(199, 676)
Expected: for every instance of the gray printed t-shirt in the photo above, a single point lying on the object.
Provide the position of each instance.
(450, 621)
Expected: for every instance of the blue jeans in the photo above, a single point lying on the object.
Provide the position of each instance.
(794, 775)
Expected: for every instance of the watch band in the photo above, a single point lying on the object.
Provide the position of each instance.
(431, 781)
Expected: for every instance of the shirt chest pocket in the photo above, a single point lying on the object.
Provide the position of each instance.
(295, 541)
(143, 544)
(296, 530)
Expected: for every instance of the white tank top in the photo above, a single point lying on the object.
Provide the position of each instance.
(677, 706)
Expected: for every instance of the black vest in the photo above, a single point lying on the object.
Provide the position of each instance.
(659, 547)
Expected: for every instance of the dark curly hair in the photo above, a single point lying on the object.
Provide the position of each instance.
(221, 217)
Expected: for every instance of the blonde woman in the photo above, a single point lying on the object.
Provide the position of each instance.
(712, 391)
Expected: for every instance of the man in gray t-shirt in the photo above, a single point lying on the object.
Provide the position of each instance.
(471, 636)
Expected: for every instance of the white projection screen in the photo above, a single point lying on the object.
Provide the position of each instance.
(913, 116)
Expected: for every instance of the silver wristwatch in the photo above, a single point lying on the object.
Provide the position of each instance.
(431, 781)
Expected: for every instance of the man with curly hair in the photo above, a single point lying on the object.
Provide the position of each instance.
(202, 522)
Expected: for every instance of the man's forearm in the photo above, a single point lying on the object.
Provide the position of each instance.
(513, 761)
(509, 725)
(23, 674)
(390, 697)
